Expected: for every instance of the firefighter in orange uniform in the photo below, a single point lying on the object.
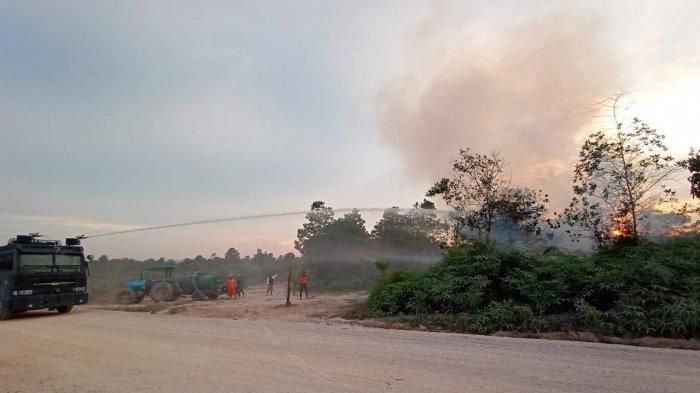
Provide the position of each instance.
(231, 286)
(303, 281)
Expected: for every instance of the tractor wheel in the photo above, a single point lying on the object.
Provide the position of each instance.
(64, 309)
(213, 296)
(198, 296)
(5, 312)
(138, 296)
(177, 292)
(125, 297)
(161, 291)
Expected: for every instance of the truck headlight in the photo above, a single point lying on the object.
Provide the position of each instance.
(23, 292)
(79, 289)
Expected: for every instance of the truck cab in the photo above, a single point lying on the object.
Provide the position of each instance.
(41, 274)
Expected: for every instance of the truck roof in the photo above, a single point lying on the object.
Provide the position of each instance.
(24, 243)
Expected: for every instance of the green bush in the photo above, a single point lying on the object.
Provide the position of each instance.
(394, 294)
(650, 289)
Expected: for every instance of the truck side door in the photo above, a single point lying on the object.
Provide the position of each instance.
(7, 274)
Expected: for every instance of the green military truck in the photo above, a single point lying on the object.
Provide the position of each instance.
(41, 274)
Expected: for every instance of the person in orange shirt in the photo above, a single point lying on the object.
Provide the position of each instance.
(231, 286)
(303, 280)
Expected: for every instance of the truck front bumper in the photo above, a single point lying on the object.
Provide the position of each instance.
(34, 302)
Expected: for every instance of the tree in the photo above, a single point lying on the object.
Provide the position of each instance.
(417, 230)
(103, 258)
(692, 164)
(318, 219)
(520, 213)
(482, 195)
(620, 175)
(324, 238)
(232, 255)
(476, 185)
(262, 257)
(382, 266)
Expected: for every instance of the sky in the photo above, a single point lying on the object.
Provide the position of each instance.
(118, 115)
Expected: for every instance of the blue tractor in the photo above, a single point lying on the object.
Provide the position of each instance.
(158, 289)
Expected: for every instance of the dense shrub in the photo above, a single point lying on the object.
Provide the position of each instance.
(394, 294)
(650, 289)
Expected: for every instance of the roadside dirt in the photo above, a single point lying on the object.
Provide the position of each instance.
(255, 305)
(336, 307)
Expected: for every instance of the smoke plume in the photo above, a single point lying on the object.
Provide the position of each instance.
(527, 90)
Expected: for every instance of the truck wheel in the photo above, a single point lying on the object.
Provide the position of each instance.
(213, 296)
(126, 296)
(64, 309)
(161, 291)
(5, 312)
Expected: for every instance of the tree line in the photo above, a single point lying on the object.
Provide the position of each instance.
(622, 177)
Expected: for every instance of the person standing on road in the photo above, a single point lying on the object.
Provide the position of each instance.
(303, 281)
(270, 284)
(240, 286)
(231, 286)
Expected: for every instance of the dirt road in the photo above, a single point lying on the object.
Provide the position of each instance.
(93, 350)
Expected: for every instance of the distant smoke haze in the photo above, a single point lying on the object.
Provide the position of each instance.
(526, 90)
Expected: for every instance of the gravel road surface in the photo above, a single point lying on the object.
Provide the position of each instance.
(109, 351)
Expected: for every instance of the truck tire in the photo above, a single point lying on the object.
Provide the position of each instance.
(64, 309)
(5, 312)
(161, 291)
(126, 296)
(213, 296)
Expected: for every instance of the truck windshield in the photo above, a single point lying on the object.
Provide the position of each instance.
(44, 263)
(35, 263)
(68, 262)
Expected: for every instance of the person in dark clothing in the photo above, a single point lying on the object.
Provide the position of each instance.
(240, 286)
(270, 284)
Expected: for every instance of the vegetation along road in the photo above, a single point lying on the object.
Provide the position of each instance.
(94, 350)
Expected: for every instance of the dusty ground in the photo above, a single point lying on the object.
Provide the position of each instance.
(253, 306)
(251, 345)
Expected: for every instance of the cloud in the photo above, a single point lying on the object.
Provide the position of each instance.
(70, 221)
